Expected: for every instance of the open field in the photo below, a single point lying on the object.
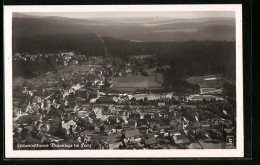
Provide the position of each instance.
(208, 81)
(81, 68)
(211, 91)
(151, 81)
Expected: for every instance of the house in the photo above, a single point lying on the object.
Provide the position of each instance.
(132, 136)
(17, 55)
(169, 95)
(205, 125)
(70, 126)
(195, 146)
(96, 113)
(32, 108)
(142, 122)
(151, 124)
(107, 128)
(93, 126)
(77, 86)
(93, 100)
(120, 74)
(164, 128)
(92, 71)
(113, 120)
(156, 127)
(150, 141)
(226, 122)
(161, 104)
(128, 70)
(68, 55)
(147, 116)
(177, 114)
(132, 124)
(180, 140)
(107, 100)
(228, 130)
(143, 128)
(176, 132)
(216, 123)
(134, 115)
(94, 94)
(196, 125)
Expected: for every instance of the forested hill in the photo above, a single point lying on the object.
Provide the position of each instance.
(87, 43)
(138, 29)
(188, 58)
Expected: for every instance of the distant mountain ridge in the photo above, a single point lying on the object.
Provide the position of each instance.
(140, 29)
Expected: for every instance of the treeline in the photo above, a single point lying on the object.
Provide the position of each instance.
(88, 44)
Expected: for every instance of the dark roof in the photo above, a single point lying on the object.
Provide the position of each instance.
(182, 136)
(25, 118)
(132, 133)
(165, 127)
(150, 135)
(93, 94)
(106, 99)
(157, 125)
(181, 139)
(196, 124)
(131, 122)
(150, 141)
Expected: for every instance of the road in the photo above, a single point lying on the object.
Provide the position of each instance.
(106, 51)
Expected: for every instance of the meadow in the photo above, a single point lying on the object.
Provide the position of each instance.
(138, 81)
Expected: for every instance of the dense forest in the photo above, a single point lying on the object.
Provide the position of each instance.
(87, 44)
(186, 58)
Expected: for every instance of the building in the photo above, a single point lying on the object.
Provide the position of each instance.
(97, 113)
(94, 94)
(68, 55)
(149, 142)
(70, 126)
(161, 104)
(205, 125)
(132, 136)
(180, 140)
(107, 100)
(132, 124)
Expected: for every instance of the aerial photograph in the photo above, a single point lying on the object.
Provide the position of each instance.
(124, 80)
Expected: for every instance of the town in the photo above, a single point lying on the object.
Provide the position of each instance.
(107, 102)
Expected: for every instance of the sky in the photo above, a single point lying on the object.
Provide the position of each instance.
(173, 14)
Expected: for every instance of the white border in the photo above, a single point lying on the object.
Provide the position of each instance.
(10, 153)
